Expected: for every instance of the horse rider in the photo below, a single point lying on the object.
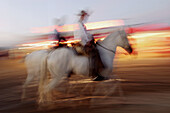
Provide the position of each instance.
(82, 31)
(57, 37)
(89, 46)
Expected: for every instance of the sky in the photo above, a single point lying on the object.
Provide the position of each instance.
(18, 17)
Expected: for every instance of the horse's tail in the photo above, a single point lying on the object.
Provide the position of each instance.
(43, 78)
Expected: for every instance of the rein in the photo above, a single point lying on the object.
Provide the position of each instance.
(105, 48)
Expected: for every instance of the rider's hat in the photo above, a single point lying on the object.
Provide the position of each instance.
(83, 13)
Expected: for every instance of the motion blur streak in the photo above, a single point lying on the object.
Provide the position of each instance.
(73, 27)
(146, 44)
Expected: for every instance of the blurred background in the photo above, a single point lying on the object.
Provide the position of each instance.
(29, 25)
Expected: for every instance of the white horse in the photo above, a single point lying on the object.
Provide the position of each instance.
(61, 62)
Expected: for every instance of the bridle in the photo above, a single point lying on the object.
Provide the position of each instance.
(105, 48)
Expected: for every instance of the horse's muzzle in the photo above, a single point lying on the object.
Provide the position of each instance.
(129, 49)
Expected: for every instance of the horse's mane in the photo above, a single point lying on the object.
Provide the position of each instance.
(115, 30)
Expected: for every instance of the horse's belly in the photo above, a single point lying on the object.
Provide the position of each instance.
(80, 65)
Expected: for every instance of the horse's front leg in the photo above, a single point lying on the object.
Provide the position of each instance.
(107, 88)
(116, 84)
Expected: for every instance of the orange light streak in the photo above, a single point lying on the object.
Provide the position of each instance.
(73, 27)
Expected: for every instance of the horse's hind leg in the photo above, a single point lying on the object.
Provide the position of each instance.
(29, 78)
(53, 83)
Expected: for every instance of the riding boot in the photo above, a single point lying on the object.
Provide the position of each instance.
(99, 78)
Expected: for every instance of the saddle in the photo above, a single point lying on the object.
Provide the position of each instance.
(85, 50)
(79, 49)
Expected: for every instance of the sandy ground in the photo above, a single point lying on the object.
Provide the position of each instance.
(145, 84)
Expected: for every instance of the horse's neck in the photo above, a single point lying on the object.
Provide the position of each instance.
(108, 48)
(111, 41)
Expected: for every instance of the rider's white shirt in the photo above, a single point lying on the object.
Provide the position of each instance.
(82, 34)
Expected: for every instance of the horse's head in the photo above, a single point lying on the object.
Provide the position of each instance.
(124, 42)
(117, 38)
